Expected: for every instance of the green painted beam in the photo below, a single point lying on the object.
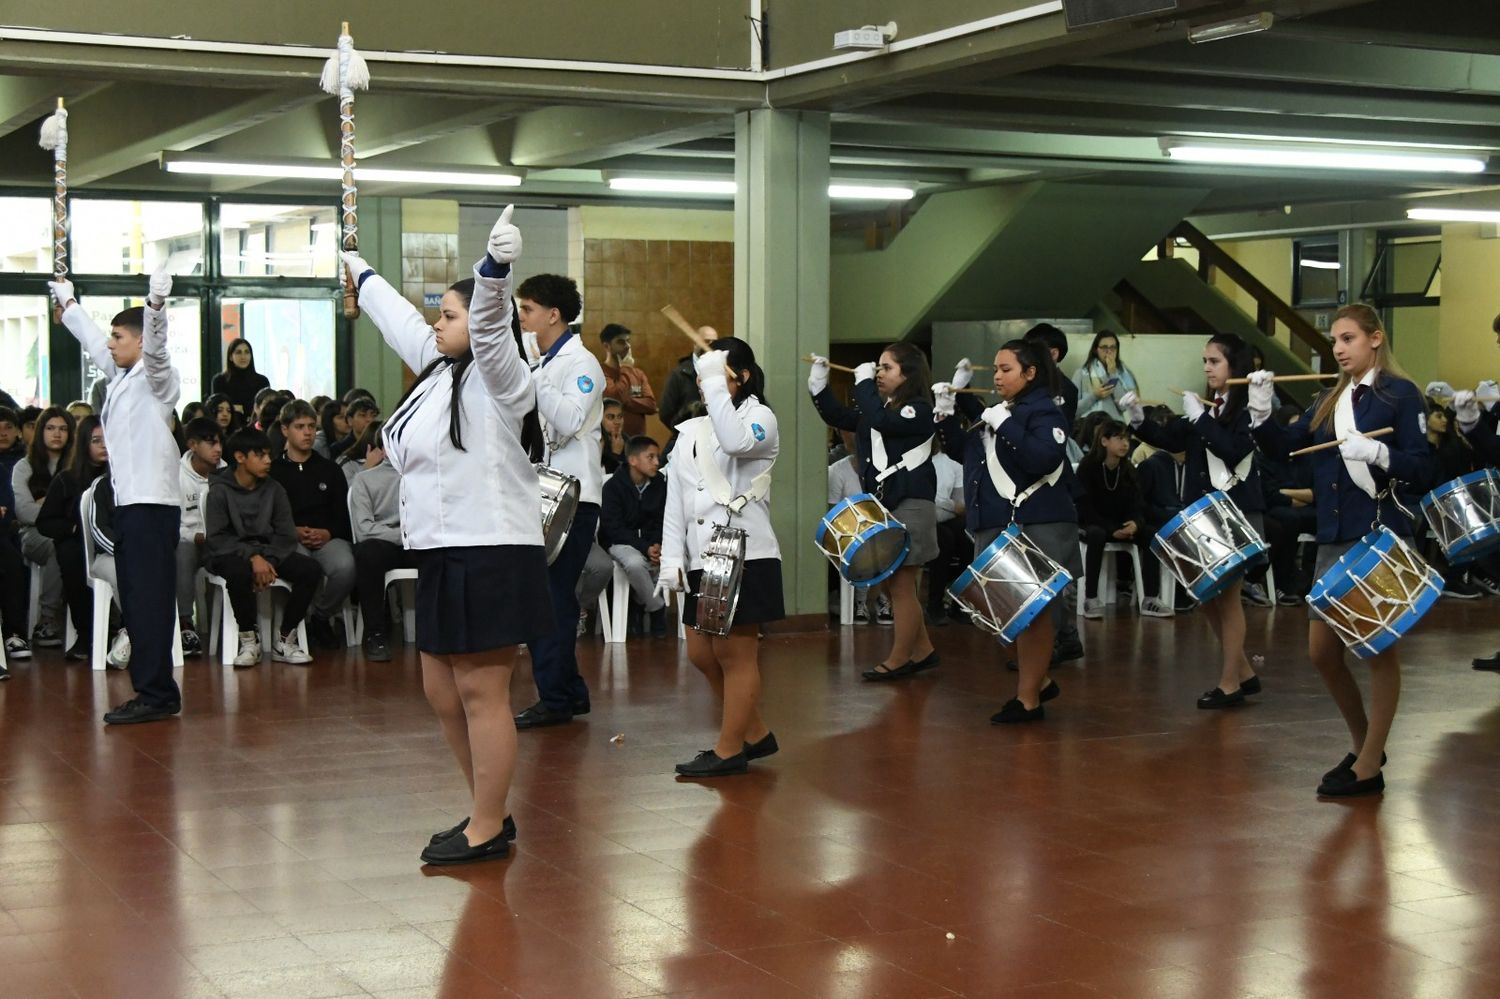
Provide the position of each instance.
(571, 136)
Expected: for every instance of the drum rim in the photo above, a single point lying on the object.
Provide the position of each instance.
(860, 541)
(849, 501)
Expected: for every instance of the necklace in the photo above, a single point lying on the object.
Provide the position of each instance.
(1111, 486)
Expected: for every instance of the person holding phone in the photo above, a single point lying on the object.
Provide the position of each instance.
(1103, 378)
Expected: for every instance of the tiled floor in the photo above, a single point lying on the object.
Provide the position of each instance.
(265, 843)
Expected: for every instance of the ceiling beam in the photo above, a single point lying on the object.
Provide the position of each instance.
(24, 99)
(572, 136)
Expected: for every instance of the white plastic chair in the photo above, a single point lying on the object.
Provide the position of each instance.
(614, 612)
(1107, 587)
(846, 601)
(406, 579)
(224, 630)
(104, 594)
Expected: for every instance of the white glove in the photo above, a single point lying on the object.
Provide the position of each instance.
(996, 415)
(1466, 409)
(62, 292)
(1262, 396)
(864, 372)
(1488, 393)
(1371, 452)
(356, 265)
(1130, 405)
(944, 398)
(963, 374)
(1192, 407)
(1438, 390)
(159, 288)
(505, 239)
(668, 580)
(817, 378)
(712, 364)
(533, 349)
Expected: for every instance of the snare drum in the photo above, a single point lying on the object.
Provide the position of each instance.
(1375, 592)
(559, 504)
(1009, 584)
(1208, 545)
(1465, 515)
(863, 540)
(719, 588)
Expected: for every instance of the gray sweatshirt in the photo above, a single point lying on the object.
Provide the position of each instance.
(26, 507)
(375, 504)
(240, 522)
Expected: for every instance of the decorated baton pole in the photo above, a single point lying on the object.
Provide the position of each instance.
(55, 138)
(343, 74)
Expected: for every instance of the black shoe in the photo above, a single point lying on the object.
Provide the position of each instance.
(708, 764)
(1492, 663)
(659, 623)
(377, 649)
(1050, 691)
(581, 708)
(320, 633)
(1216, 698)
(1347, 763)
(456, 850)
(539, 715)
(4, 674)
(1289, 599)
(1343, 784)
(1014, 711)
(928, 663)
(1250, 686)
(760, 750)
(1485, 582)
(135, 711)
(1067, 650)
(877, 674)
(1459, 588)
(79, 651)
(935, 617)
(507, 830)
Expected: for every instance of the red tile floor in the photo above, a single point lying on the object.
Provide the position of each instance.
(265, 843)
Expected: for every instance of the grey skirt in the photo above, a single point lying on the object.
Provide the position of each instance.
(920, 518)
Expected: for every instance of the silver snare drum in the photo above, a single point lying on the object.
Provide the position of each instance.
(719, 589)
(559, 505)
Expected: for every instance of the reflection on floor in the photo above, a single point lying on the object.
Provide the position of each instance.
(265, 843)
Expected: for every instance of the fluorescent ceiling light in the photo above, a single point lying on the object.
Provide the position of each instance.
(1322, 159)
(309, 171)
(1319, 265)
(870, 192)
(1233, 28)
(671, 185)
(1452, 215)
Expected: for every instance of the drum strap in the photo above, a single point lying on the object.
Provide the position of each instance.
(915, 458)
(1222, 476)
(1004, 484)
(713, 476)
(1344, 426)
(556, 444)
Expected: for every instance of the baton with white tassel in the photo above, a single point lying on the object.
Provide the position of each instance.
(55, 138)
(343, 74)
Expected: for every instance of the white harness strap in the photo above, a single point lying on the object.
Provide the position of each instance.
(556, 444)
(915, 458)
(713, 476)
(1222, 476)
(1344, 426)
(1004, 484)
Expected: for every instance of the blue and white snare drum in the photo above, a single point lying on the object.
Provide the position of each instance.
(1465, 515)
(1009, 584)
(862, 540)
(1374, 594)
(1208, 545)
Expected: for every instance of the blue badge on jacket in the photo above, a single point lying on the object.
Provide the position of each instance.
(585, 384)
(759, 431)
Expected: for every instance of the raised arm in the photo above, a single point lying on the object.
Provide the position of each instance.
(1040, 446)
(165, 382)
(505, 374)
(93, 340)
(912, 419)
(403, 327)
(738, 434)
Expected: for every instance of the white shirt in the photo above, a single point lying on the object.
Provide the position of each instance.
(137, 413)
(570, 401)
(194, 492)
(486, 494)
(843, 480)
(950, 485)
(746, 441)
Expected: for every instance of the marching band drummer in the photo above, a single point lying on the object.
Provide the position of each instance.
(1015, 457)
(1351, 487)
(721, 474)
(1220, 456)
(481, 585)
(1476, 414)
(892, 420)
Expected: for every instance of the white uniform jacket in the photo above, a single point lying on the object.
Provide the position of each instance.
(570, 401)
(486, 494)
(744, 442)
(137, 413)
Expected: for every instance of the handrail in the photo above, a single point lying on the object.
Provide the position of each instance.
(1265, 298)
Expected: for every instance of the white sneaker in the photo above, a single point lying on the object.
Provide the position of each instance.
(119, 652)
(1092, 608)
(1153, 607)
(249, 650)
(286, 650)
(17, 647)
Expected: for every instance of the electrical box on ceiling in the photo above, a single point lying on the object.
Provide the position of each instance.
(868, 37)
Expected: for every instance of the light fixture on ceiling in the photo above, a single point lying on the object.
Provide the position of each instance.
(307, 170)
(1318, 265)
(699, 185)
(869, 192)
(1452, 215)
(1232, 28)
(1280, 154)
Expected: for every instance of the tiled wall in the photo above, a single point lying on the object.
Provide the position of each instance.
(429, 265)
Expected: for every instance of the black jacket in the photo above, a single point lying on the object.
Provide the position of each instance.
(1161, 493)
(241, 391)
(1229, 438)
(629, 516)
(902, 428)
(59, 516)
(679, 394)
(317, 491)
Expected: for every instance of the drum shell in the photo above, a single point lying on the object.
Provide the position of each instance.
(559, 493)
(863, 540)
(719, 587)
(1405, 589)
(1208, 545)
(1009, 584)
(1464, 515)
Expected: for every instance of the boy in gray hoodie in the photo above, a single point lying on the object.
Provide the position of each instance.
(251, 541)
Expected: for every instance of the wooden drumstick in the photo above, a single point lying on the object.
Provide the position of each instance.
(808, 358)
(1178, 391)
(976, 391)
(1288, 378)
(1328, 444)
(686, 327)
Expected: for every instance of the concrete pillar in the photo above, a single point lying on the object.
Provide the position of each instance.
(781, 309)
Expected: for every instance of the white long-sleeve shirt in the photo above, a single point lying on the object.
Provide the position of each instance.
(137, 413)
(486, 494)
(194, 494)
(570, 401)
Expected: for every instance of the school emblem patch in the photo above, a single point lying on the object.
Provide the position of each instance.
(1422, 422)
(907, 412)
(759, 431)
(1058, 435)
(585, 383)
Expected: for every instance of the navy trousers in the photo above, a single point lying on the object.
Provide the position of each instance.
(146, 563)
(554, 664)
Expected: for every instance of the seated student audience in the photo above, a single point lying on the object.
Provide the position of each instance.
(612, 439)
(356, 458)
(360, 412)
(202, 460)
(191, 412)
(28, 424)
(1113, 510)
(251, 541)
(375, 515)
(12, 450)
(221, 411)
(59, 520)
(955, 550)
(318, 493)
(30, 477)
(631, 508)
(78, 409)
(331, 427)
(13, 577)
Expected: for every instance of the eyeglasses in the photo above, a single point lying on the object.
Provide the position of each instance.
(1103, 347)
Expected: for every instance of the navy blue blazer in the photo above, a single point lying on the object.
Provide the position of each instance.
(1229, 438)
(1345, 512)
(1028, 446)
(1486, 439)
(901, 427)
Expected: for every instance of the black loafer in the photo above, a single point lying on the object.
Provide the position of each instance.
(709, 764)
(1347, 763)
(760, 750)
(507, 829)
(581, 708)
(1250, 686)
(1066, 652)
(1343, 784)
(1050, 691)
(899, 673)
(539, 715)
(456, 850)
(1216, 698)
(1014, 712)
(377, 649)
(1492, 663)
(135, 711)
(925, 664)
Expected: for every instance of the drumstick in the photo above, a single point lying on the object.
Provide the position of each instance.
(832, 367)
(976, 391)
(1178, 391)
(692, 332)
(1328, 444)
(1288, 378)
